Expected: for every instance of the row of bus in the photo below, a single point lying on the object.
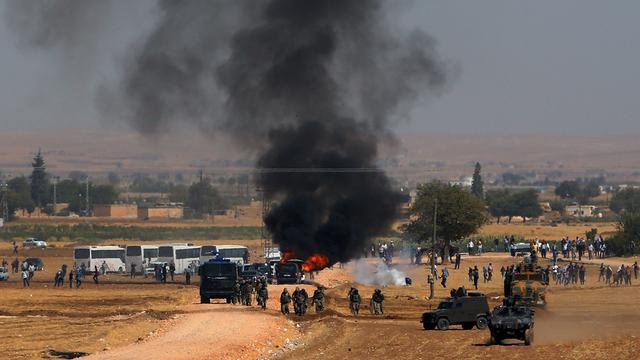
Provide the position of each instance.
(183, 256)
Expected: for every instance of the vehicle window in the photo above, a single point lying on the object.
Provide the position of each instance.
(208, 250)
(81, 253)
(165, 251)
(445, 305)
(108, 254)
(188, 253)
(134, 250)
(234, 253)
(150, 253)
(219, 269)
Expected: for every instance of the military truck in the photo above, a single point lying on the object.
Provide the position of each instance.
(217, 280)
(469, 310)
(528, 283)
(511, 322)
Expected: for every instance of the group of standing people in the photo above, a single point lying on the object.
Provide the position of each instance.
(300, 300)
(376, 303)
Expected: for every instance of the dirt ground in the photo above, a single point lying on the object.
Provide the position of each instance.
(122, 317)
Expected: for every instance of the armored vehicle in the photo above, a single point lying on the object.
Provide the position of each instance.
(217, 280)
(528, 283)
(511, 322)
(468, 310)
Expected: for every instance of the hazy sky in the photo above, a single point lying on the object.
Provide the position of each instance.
(524, 66)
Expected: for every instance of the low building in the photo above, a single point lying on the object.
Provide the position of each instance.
(161, 212)
(582, 210)
(120, 211)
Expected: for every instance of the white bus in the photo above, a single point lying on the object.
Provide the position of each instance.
(182, 256)
(141, 255)
(91, 256)
(207, 252)
(235, 253)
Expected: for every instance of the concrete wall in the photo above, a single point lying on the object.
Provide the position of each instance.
(123, 211)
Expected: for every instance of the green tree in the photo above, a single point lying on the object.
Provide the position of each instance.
(459, 213)
(179, 193)
(626, 241)
(205, 199)
(39, 181)
(103, 194)
(526, 204)
(477, 186)
(19, 195)
(568, 189)
(626, 201)
(499, 203)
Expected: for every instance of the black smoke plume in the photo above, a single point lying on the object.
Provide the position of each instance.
(305, 85)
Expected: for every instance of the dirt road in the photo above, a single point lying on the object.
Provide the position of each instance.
(212, 331)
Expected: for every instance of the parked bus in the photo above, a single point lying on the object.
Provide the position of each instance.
(235, 253)
(182, 256)
(91, 256)
(141, 255)
(207, 252)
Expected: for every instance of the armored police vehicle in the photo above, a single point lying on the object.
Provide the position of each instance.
(466, 309)
(217, 280)
(511, 322)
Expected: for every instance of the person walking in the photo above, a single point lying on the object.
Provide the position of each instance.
(458, 260)
(25, 278)
(187, 276)
(133, 270)
(354, 301)
(172, 270)
(445, 276)
(79, 275)
(476, 276)
(71, 279)
(377, 301)
(96, 273)
(285, 300)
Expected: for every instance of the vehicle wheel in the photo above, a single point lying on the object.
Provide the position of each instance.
(495, 340)
(204, 300)
(120, 269)
(528, 337)
(443, 324)
(467, 326)
(228, 300)
(481, 322)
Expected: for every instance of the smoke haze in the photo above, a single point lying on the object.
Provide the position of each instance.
(302, 84)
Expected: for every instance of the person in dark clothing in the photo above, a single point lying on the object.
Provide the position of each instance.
(476, 276)
(15, 265)
(354, 301)
(172, 270)
(263, 295)
(285, 300)
(187, 277)
(318, 299)
(133, 270)
(164, 273)
(96, 273)
(376, 302)
(458, 260)
(71, 279)
(301, 301)
(79, 278)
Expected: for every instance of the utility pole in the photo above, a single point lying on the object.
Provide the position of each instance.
(433, 252)
(87, 196)
(4, 202)
(55, 197)
(432, 277)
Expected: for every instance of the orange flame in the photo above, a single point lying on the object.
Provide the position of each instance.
(315, 262)
(286, 256)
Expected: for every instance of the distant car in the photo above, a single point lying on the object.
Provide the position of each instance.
(37, 263)
(4, 274)
(31, 242)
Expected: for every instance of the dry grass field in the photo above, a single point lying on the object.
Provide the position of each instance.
(594, 321)
(547, 232)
